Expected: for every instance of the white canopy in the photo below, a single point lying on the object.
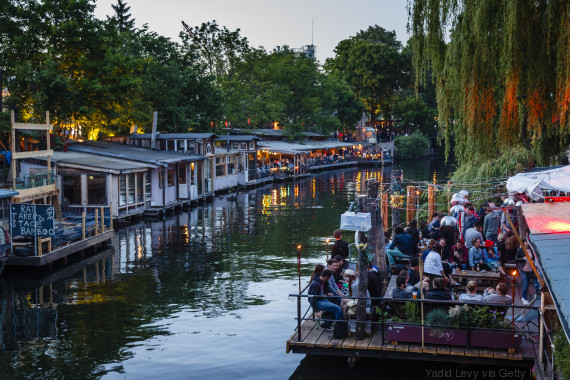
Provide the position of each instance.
(535, 182)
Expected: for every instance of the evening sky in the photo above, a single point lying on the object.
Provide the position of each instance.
(270, 23)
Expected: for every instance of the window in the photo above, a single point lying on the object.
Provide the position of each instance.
(96, 189)
(180, 145)
(192, 172)
(220, 166)
(244, 146)
(170, 178)
(122, 190)
(147, 186)
(182, 174)
(190, 146)
(72, 190)
(140, 187)
(199, 149)
(235, 145)
(161, 144)
(251, 145)
(131, 188)
(208, 149)
(232, 164)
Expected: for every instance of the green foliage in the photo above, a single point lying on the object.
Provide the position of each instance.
(459, 316)
(412, 146)
(413, 113)
(562, 355)
(289, 88)
(411, 312)
(373, 66)
(513, 91)
(437, 319)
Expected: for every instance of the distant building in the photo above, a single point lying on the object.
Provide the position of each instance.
(310, 51)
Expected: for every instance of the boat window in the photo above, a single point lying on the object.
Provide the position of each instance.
(220, 166)
(170, 178)
(131, 187)
(72, 190)
(122, 190)
(97, 189)
(140, 187)
(182, 174)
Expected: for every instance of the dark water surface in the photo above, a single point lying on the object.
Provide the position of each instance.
(202, 294)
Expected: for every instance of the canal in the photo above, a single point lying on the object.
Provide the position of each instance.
(201, 294)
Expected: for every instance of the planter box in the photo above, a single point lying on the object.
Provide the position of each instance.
(478, 337)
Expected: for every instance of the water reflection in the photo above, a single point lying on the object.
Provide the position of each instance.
(170, 294)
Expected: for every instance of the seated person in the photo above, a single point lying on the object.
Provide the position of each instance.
(433, 266)
(317, 289)
(402, 246)
(439, 292)
(400, 289)
(414, 272)
(338, 273)
(350, 279)
(460, 255)
(476, 255)
(332, 265)
(471, 294)
(498, 296)
(491, 257)
(430, 246)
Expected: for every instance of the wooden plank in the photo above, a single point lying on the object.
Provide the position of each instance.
(311, 338)
(40, 127)
(500, 353)
(306, 328)
(388, 347)
(416, 348)
(470, 351)
(324, 339)
(363, 343)
(485, 353)
(349, 342)
(32, 154)
(443, 350)
(429, 349)
(516, 355)
(402, 347)
(376, 341)
(457, 350)
(335, 343)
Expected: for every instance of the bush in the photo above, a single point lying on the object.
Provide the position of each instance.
(412, 146)
(562, 355)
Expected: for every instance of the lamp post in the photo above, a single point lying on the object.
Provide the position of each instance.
(299, 298)
(327, 249)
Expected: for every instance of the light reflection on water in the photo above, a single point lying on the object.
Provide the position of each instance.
(199, 294)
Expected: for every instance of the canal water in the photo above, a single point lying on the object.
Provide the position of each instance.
(202, 294)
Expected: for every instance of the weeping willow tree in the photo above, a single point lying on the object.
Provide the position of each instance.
(502, 74)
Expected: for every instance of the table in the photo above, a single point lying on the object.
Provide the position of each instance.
(480, 277)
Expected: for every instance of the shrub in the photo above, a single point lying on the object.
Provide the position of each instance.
(412, 146)
(562, 355)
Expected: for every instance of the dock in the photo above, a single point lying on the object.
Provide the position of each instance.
(318, 341)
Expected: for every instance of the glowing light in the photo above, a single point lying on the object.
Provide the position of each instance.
(514, 273)
(558, 226)
(298, 247)
(327, 241)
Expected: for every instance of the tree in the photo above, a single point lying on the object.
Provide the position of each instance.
(122, 17)
(372, 64)
(288, 88)
(412, 113)
(513, 92)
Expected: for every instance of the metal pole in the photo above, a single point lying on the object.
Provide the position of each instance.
(299, 298)
(327, 249)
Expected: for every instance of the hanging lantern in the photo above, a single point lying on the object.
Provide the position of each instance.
(464, 192)
(458, 198)
(456, 209)
(448, 221)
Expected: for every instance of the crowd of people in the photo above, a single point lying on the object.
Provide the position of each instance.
(486, 243)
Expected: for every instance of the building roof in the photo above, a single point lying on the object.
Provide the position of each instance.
(164, 136)
(99, 163)
(274, 132)
(238, 138)
(549, 225)
(129, 152)
(297, 147)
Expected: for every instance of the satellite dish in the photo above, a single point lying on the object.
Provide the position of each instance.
(448, 221)
(458, 198)
(456, 209)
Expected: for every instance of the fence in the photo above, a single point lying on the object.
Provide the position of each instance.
(81, 222)
(34, 180)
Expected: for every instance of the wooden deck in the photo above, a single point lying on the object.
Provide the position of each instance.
(320, 342)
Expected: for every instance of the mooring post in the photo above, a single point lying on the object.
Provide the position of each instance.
(96, 221)
(83, 225)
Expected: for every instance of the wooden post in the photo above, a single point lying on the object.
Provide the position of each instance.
(431, 201)
(111, 213)
(362, 278)
(410, 203)
(422, 296)
(102, 219)
(48, 141)
(449, 183)
(13, 143)
(83, 225)
(96, 221)
(373, 209)
(384, 210)
(41, 295)
(39, 245)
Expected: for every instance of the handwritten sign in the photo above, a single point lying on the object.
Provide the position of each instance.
(32, 220)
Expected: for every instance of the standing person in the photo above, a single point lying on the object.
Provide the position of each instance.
(414, 232)
(527, 274)
(472, 233)
(491, 224)
(340, 247)
(402, 246)
(317, 289)
(512, 247)
(470, 218)
(433, 226)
